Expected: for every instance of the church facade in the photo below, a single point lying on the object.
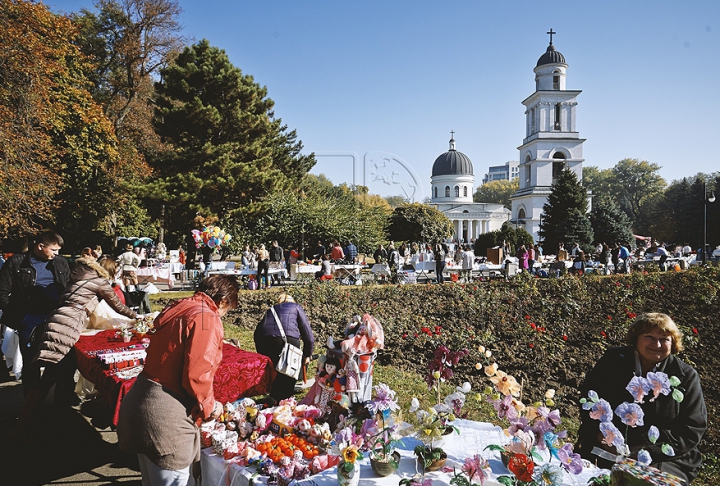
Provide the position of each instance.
(452, 188)
(551, 141)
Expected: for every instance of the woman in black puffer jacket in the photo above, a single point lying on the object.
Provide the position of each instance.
(89, 284)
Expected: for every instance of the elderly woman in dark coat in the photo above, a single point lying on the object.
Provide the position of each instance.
(89, 284)
(654, 340)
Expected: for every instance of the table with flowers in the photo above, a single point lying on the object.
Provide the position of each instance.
(472, 439)
(241, 373)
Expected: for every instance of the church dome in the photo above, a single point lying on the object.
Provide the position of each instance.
(452, 162)
(551, 56)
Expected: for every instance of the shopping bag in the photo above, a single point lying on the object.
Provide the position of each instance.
(290, 361)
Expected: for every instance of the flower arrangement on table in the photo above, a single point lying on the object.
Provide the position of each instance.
(632, 415)
(436, 421)
(532, 429)
(381, 431)
(347, 445)
(144, 324)
(124, 333)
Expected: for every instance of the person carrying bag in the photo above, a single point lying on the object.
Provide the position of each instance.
(282, 328)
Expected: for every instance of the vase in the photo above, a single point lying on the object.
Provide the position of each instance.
(348, 478)
(386, 468)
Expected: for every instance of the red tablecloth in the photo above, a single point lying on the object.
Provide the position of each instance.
(241, 373)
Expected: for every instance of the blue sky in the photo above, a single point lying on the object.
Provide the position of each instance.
(375, 87)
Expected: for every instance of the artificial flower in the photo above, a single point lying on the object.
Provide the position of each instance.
(548, 475)
(384, 400)
(522, 467)
(644, 457)
(658, 383)
(638, 388)
(667, 450)
(350, 454)
(505, 408)
(506, 384)
(550, 394)
(569, 460)
(630, 414)
(491, 369)
(611, 435)
(474, 468)
(601, 411)
(653, 434)
(414, 405)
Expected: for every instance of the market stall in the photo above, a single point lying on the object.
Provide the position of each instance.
(241, 373)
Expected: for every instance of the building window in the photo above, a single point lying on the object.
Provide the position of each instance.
(447, 191)
(521, 213)
(557, 116)
(435, 192)
(532, 121)
(457, 191)
(556, 82)
(465, 191)
(557, 169)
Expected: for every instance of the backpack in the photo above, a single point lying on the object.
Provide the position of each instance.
(252, 284)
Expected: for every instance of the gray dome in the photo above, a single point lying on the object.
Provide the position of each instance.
(551, 56)
(452, 162)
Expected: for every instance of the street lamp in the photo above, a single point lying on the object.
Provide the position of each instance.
(706, 199)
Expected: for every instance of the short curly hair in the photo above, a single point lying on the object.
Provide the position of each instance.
(645, 323)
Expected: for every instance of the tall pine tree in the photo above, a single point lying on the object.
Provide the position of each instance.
(564, 219)
(229, 152)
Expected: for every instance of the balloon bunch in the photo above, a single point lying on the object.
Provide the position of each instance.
(210, 236)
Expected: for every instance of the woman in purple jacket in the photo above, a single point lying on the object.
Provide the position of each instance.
(269, 342)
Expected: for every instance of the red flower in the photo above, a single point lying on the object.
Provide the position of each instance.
(609, 318)
(565, 338)
(404, 336)
(695, 331)
(603, 334)
(527, 316)
(662, 287)
(522, 467)
(533, 325)
(531, 345)
(631, 315)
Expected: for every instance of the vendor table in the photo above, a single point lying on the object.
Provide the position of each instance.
(473, 438)
(424, 268)
(241, 373)
(155, 274)
(249, 271)
(381, 269)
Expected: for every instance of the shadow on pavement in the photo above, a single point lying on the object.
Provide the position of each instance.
(66, 448)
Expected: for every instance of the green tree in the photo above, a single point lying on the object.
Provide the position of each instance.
(395, 201)
(636, 181)
(564, 218)
(229, 152)
(609, 222)
(601, 182)
(419, 222)
(497, 192)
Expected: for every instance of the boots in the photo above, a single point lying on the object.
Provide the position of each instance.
(30, 409)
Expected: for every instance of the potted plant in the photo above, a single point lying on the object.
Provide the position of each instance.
(382, 437)
(123, 333)
(346, 445)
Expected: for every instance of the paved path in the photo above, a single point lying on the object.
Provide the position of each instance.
(74, 446)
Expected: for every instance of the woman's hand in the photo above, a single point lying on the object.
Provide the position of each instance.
(217, 411)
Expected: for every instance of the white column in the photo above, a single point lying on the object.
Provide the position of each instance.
(458, 229)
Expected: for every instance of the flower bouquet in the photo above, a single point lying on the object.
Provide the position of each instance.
(532, 429)
(381, 432)
(472, 470)
(124, 333)
(632, 415)
(143, 326)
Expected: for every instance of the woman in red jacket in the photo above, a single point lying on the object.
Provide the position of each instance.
(158, 417)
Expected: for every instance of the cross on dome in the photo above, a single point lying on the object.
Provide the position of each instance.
(551, 34)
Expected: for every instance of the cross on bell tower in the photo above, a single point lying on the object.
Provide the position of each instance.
(551, 34)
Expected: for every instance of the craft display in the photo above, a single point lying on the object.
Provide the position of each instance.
(629, 472)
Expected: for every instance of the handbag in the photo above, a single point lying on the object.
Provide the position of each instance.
(290, 361)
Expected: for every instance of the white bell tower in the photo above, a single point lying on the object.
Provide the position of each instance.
(551, 141)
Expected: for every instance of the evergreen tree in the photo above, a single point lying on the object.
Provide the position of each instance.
(229, 152)
(610, 223)
(564, 219)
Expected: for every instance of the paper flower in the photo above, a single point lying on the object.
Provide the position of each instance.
(611, 434)
(638, 388)
(658, 383)
(571, 461)
(548, 475)
(630, 414)
(644, 457)
(601, 411)
(653, 434)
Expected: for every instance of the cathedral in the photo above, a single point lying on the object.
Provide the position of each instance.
(551, 144)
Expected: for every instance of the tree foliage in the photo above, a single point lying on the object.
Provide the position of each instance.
(609, 223)
(229, 152)
(419, 222)
(601, 182)
(636, 182)
(497, 192)
(516, 237)
(564, 218)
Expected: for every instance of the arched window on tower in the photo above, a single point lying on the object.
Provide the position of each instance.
(447, 191)
(521, 213)
(556, 81)
(435, 192)
(464, 191)
(457, 191)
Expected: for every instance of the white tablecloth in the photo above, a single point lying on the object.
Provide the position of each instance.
(249, 271)
(155, 274)
(380, 269)
(297, 269)
(473, 438)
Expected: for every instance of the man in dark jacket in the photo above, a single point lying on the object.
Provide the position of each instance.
(31, 284)
(277, 255)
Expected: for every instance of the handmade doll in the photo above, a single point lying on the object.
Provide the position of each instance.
(325, 380)
(368, 336)
(352, 377)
